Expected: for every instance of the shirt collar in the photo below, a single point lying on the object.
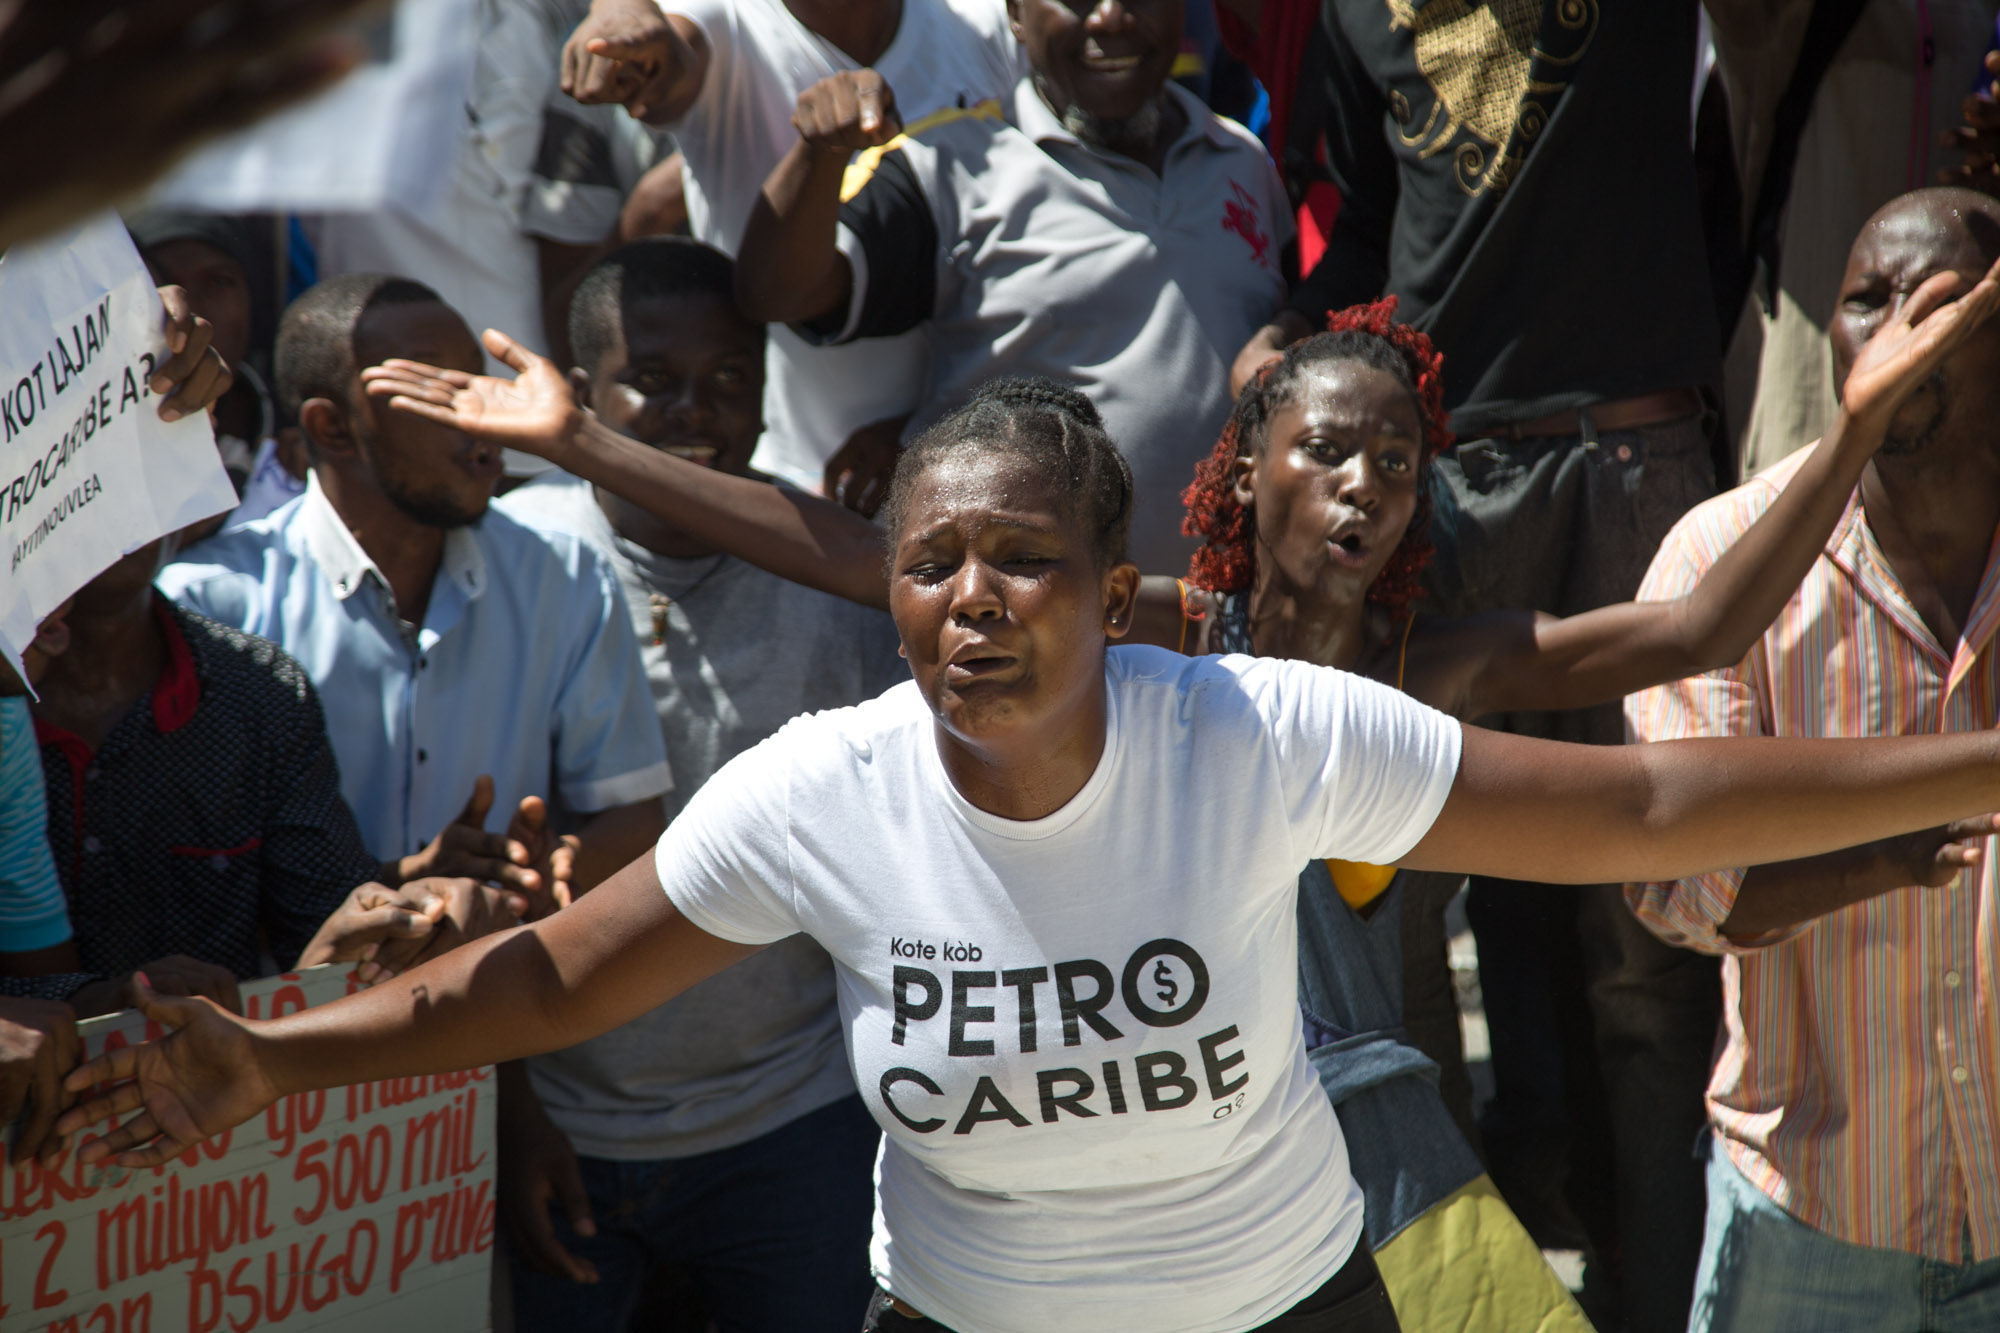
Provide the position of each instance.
(1853, 548)
(177, 693)
(347, 567)
(1034, 117)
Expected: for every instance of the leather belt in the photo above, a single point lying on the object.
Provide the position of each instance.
(1646, 409)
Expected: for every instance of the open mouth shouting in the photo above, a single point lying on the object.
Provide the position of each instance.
(977, 660)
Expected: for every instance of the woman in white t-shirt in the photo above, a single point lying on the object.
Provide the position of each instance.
(1058, 885)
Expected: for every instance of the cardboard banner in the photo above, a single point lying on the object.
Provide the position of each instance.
(387, 133)
(88, 471)
(368, 1208)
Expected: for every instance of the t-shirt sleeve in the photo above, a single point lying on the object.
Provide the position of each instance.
(1366, 768)
(725, 861)
(890, 238)
(608, 749)
(33, 914)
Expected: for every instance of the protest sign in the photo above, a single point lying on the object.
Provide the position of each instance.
(88, 471)
(362, 1208)
(387, 133)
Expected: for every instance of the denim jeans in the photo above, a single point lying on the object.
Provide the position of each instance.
(774, 1232)
(1764, 1270)
(1601, 1034)
(1351, 1301)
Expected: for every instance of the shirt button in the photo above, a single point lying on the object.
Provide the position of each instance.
(423, 756)
(218, 863)
(92, 845)
(1951, 980)
(1959, 1074)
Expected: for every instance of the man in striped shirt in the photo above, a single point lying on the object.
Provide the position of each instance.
(1855, 1180)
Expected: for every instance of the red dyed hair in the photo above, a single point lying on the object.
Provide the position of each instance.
(1227, 560)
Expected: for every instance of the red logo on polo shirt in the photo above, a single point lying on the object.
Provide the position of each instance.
(1240, 216)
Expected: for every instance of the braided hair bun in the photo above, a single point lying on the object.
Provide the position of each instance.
(1039, 391)
(1053, 425)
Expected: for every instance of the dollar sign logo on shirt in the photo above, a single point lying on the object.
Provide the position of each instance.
(1164, 979)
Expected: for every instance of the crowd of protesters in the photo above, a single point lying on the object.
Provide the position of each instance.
(866, 561)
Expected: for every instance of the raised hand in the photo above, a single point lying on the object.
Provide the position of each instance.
(629, 52)
(536, 411)
(465, 848)
(847, 112)
(551, 855)
(193, 376)
(201, 1078)
(1913, 342)
(38, 1048)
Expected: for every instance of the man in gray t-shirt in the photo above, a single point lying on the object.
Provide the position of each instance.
(721, 1131)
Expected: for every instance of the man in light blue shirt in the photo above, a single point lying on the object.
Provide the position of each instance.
(463, 661)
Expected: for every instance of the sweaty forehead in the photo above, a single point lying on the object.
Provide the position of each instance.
(416, 331)
(1928, 233)
(975, 486)
(1351, 393)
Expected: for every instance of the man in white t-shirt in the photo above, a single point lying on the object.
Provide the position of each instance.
(725, 75)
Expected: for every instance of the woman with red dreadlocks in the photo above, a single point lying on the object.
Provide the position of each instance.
(1314, 511)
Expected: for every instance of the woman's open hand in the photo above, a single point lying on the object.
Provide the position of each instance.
(201, 1078)
(536, 411)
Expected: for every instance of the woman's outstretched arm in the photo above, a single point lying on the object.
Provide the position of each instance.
(1543, 662)
(793, 535)
(619, 952)
(1599, 814)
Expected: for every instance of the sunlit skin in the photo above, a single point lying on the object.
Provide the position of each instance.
(1107, 58)
(445, 473)
(685, 374)
(1333, 486)
(1004, 616)
(1932, 493)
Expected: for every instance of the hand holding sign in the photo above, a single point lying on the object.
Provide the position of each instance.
(89, 471)
(193, 376)
(38, 1046)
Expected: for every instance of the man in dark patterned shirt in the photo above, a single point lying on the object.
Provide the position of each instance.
(195, 812)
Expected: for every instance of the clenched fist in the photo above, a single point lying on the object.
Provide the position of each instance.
(853, 110)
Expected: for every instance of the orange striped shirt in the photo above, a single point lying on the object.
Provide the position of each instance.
(1860, 1084)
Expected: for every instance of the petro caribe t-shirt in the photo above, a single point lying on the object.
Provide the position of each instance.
(1080, 1033)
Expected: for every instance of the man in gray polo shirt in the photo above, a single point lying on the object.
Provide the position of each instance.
(1098, 226)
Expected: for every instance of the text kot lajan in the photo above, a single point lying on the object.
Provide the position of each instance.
(1163, 984)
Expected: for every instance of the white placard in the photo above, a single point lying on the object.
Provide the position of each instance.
(368, 1209)
(88, 471)
(389, 132)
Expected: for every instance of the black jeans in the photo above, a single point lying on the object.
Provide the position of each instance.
(1351, 1301)
(1601, 1033)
